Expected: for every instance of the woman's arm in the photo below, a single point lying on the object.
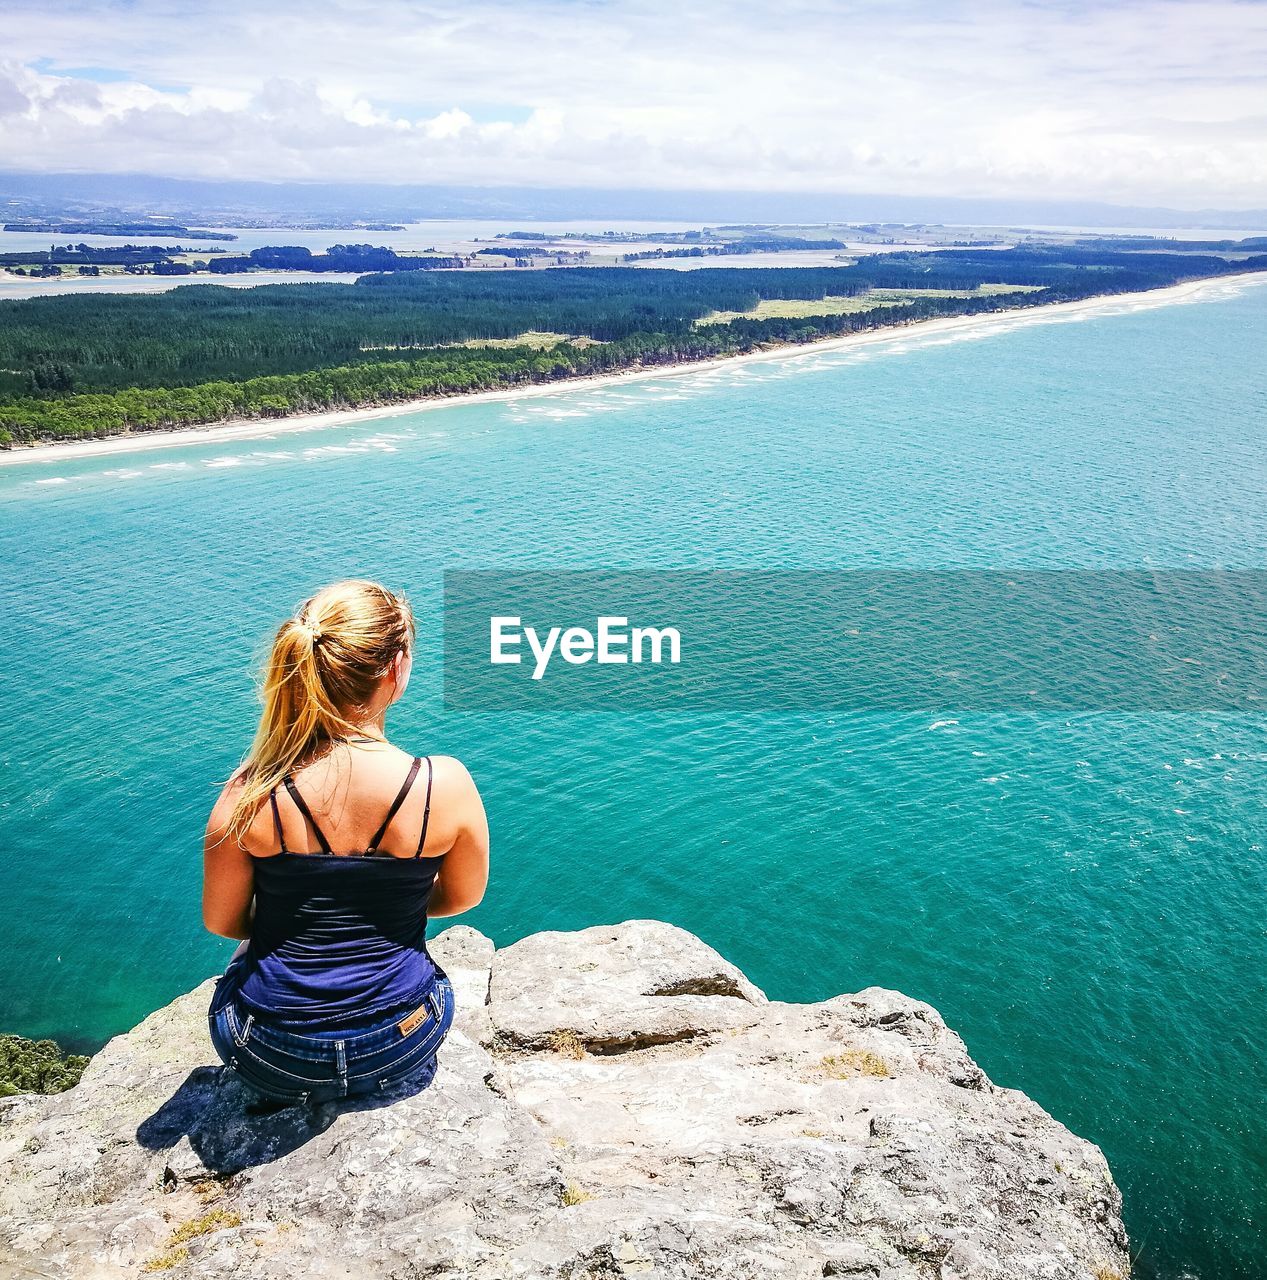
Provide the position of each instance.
(228, 877)
(463, 875)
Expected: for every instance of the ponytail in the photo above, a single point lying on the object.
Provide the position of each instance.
(325, 665)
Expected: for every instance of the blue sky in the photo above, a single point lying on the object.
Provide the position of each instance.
(1149, 101)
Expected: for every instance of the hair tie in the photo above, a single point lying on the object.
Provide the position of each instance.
(314, 632)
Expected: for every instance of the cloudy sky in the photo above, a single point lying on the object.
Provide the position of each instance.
(1140, 102)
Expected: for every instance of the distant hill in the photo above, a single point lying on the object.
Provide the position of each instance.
(248, 202)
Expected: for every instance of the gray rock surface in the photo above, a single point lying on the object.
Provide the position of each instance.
(615, 1102)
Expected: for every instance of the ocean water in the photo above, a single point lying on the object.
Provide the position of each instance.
(1081, 896)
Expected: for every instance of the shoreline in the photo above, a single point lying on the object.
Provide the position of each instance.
(267, 428)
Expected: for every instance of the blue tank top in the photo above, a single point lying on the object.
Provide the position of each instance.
(338, 938)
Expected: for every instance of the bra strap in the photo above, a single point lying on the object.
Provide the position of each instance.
(426, 813)
(400, 798)
(303, 808)
(277, 820)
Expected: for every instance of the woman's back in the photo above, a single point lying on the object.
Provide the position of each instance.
(339, 931)
(363, 793)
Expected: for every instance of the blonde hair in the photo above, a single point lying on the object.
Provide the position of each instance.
(325, 662)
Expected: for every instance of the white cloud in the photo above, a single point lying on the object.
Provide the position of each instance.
(1149, 101)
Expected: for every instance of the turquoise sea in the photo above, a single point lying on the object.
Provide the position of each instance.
(1081, 896)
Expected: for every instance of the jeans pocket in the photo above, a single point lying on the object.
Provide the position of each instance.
(415, 1075)
(289, 1070)
(275, 1080)
(268, 1088)
(412, 1058)
(265, 1074)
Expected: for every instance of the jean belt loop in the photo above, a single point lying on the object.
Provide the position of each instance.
(246, 1031)
(341, 1065)
(437, 1002)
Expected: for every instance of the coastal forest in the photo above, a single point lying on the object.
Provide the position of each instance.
(80, 366)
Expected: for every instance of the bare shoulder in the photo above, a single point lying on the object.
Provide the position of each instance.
(451, 776)
(225, 803)
(230, 792)
(455, 792)
(457, 804)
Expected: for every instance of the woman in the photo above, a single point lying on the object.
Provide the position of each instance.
(327, 851)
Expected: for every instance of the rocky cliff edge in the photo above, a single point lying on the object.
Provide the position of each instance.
(614, 1102)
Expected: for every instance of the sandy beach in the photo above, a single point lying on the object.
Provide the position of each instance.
(268, 428)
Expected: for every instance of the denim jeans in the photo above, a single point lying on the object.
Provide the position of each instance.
(287, 1065)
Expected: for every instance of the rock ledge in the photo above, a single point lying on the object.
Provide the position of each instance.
(614, 1102)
